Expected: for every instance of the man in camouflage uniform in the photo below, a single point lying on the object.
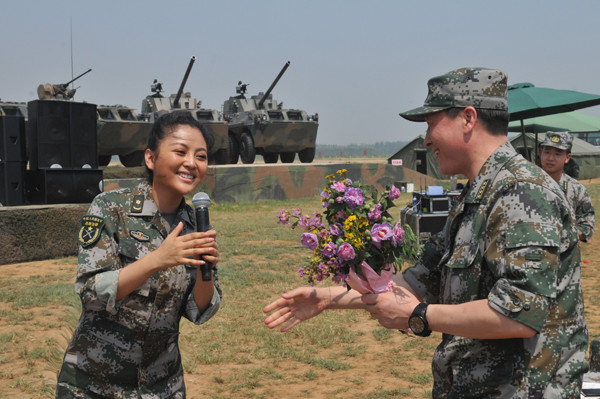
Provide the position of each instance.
(502, 280)
(128, 348)
(555, 153)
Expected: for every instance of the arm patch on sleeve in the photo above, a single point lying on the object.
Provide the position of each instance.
(89, 230)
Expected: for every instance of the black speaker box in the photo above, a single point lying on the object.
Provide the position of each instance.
(63, 186)
(12, 182)
(62, 133)
(12, 139)
(83, 135)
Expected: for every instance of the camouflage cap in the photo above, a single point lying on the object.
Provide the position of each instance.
(481, 88)
(560, 140)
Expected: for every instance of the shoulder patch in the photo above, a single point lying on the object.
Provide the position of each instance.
(89, 230)
(137, 204)
(138, 235)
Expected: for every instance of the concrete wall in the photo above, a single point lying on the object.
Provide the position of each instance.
(38, 232)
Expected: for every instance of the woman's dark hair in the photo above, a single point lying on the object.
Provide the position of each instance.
(165, 125)
(495, 121)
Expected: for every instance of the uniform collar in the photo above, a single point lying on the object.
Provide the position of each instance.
(488, 172)
(141, 197)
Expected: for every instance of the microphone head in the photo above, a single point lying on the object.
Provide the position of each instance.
(201, 200)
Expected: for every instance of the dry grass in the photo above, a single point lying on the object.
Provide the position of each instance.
(337, 355)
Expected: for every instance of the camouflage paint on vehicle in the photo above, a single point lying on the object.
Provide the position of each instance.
(258, 125)
(120, 132)
(280, 182)
(211, 121)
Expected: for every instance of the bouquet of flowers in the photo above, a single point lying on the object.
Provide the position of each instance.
(353, 240)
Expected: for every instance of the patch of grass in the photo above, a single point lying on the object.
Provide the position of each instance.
(381, 334)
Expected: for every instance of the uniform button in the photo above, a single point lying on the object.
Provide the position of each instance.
(516, 301)
(526, 306)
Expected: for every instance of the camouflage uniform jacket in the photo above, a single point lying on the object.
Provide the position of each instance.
(510, 239)
(128, 348)
(580, 200)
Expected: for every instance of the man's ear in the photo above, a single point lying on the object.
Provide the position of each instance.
(470, 117)
(568, 157)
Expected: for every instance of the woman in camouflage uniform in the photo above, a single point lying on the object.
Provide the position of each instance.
(136, 275)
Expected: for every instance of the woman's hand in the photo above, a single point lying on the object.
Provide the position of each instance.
(187, 249)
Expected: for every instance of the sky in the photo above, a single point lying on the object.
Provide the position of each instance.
(358, 64)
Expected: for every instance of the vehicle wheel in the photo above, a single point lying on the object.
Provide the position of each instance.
(133, 159)
(234, 150)
(271, 157)
(222, 156)
(104, 160)
(247, 150)
(287, 157)
(306, 155)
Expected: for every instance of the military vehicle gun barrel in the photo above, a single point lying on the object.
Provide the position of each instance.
(185, 77)
(58, 91)
(262, 100)
(74, 79)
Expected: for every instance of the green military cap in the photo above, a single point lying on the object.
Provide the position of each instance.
(481, 88)
(560, 140)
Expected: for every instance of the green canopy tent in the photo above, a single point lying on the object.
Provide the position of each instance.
(585, 154)
(564, 122)
(527, 101)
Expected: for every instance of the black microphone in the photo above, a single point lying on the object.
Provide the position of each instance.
(201, 202)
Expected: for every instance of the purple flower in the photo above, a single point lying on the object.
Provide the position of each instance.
(284, 217)
(309, 240)
(398, 235)
(339, 186)
(394, 193)
(335, 229)
(329, 249)
(348, 182)
(353, 197)
(324, 204)
(324, 194)
(339, 200)
(346, 252)
(301, 270)
(297, 212)
(380, 232)
(375, 214)
(304, 221)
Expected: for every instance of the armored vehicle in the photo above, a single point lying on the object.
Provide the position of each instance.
(13, 108)
(119, 130)
(258, 125)
(210, 120)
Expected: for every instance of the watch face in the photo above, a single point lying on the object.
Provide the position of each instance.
(416, 324)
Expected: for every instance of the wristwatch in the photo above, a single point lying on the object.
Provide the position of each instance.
(418, 320)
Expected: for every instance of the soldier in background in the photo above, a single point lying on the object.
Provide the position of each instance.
(137, 275)
(555, 153)
(503, 285)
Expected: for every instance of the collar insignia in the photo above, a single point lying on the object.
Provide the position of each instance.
(138, 235)
(89, 230)
(482, 189)
(137, 204)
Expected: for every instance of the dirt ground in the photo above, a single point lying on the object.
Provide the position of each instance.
(19, 365)
(46, 328)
